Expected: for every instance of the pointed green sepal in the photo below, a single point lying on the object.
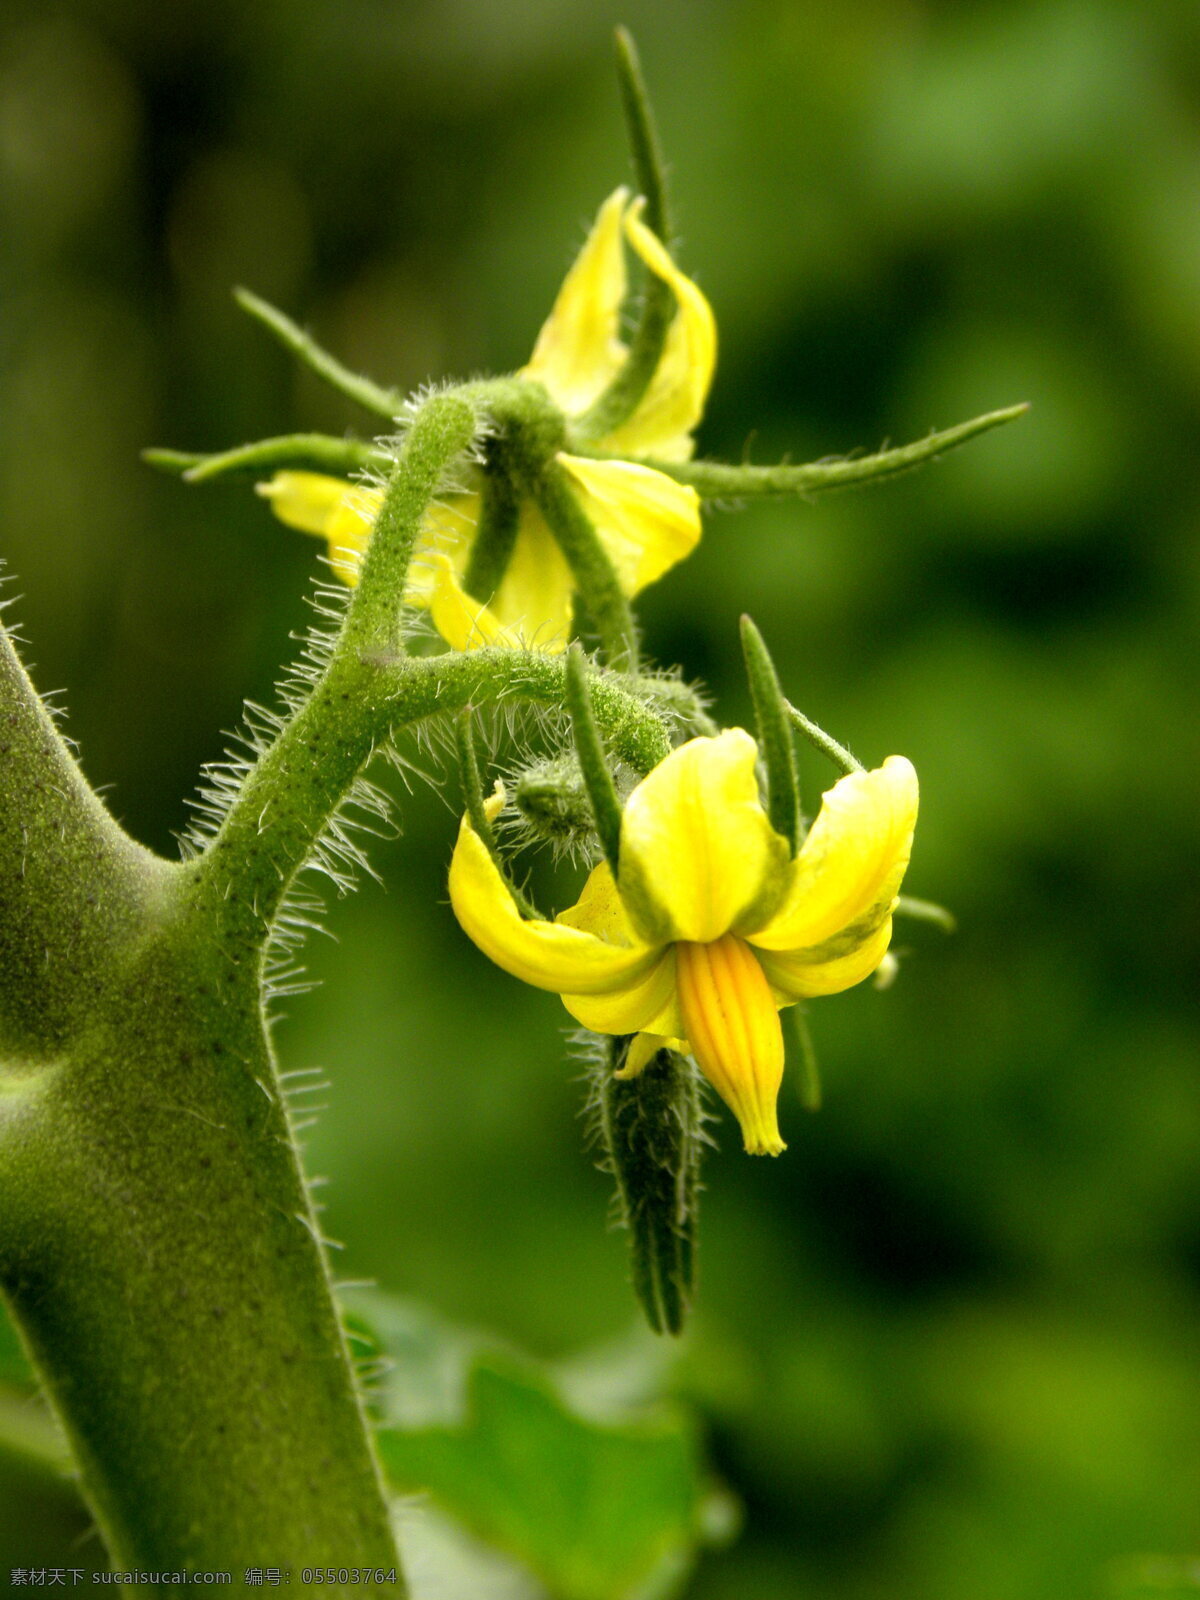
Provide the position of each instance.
(644, 148)
(383, 402)
(651, 1131)
(624, 394)
(319, 450)
(775, 739)
(714, 480)
(495, 534)
(593, 761)
(822, 741)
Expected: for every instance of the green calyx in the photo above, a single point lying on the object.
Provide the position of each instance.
(774, 737)
(650, 1130)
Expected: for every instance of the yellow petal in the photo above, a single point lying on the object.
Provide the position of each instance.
(341, 512)
(599, 910)
(304, 500)
(649, 1003)
(674, 402)
(850, 866)
(824, 969)
(447, 529)
(464, 624)
(733, 1028)
(531, 610)
(642, 1051)
(698, 856)
(535, 595)
(645, 520)
(578, 350)
(544, 954)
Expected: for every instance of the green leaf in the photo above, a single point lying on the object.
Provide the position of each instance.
(14, 1366)
(597, 1512)
(609, 1502)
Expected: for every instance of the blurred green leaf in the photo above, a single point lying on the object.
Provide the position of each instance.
(14, 1368)
(598, 1507)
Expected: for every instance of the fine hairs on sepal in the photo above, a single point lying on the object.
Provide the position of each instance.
(650, 1133)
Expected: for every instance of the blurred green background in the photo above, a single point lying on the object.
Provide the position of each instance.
(948, 1347)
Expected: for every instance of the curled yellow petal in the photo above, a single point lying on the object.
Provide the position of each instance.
(824, 969)
(547, 955)
(650, 1003)
(698, 856)
(531, 610)
(579, 351)
(535, 595)
(645, 520)
(674, 402)
(599, 911)
(733, 1028)
(850, 866)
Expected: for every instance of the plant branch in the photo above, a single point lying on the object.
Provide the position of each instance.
(72, 882)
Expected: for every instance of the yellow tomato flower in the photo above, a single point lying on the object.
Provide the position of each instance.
(645, 521)
(710, 927)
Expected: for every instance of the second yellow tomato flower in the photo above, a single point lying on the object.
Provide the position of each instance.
(645, 521)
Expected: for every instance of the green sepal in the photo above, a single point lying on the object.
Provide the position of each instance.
(617, 403)
(775, 739)
(593, 760)
(383, 402)
(822, 741)
(714, 480)
(495, 534)
(644, 148)
(468, 766)
(288, 450)
(651, 1131)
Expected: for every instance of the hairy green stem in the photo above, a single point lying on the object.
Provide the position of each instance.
(158, 1250)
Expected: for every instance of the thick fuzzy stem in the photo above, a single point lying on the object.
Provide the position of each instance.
(157, 1246)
